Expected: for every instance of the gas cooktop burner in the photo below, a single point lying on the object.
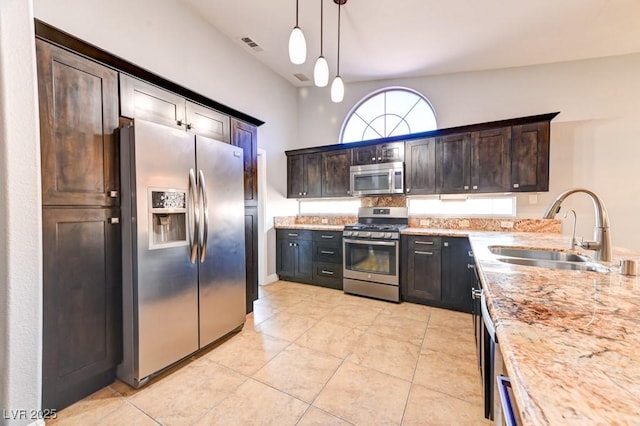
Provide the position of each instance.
(375, 227)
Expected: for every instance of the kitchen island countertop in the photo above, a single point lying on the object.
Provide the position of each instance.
(570, 339)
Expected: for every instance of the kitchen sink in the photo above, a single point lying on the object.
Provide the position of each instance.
(557, 264)
(537, 254)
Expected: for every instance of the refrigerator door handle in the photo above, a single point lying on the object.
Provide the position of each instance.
(194, 224)
(205, 216)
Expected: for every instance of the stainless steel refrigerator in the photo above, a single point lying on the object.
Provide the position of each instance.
(183, 245)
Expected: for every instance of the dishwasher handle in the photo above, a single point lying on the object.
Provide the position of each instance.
(509, 414)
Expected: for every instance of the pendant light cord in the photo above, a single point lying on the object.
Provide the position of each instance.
(321, 26)
(296, 13)
(338, 67)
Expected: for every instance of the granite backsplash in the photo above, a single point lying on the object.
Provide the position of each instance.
(553, 226)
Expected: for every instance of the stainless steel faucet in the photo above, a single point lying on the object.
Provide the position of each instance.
(573, 242)
(601, 236)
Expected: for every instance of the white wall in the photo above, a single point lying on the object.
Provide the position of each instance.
(594, 142)
(20, 220)
(167, 38)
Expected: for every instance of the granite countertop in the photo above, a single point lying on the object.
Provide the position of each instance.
(570, 339)
(312, 227)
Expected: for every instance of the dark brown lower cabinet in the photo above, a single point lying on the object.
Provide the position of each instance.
(457, 273)
(437, 271)
(311, 257)
(82, 308)
(422, 260)
(251, 250)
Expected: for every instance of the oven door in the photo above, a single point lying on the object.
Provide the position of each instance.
(371, 260)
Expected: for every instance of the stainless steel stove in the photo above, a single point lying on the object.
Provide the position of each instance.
(371, 250)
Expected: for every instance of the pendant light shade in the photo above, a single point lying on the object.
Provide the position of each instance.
(321, 69)
(337, 89)
(321, 72)
(297, 43)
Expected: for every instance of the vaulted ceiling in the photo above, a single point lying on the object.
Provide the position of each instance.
(403, 38)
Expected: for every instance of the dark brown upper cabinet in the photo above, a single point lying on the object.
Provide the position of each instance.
(380, 153)
(304, 175)
(530, 157)
(139, 99)
(420, 166)
(78, 116)
(474, 162)
(453, 158)
(335, 173)
(245, 136)
(490, 160)
(207, 122)
(499, 156)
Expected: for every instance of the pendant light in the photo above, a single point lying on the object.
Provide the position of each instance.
(337, 87)
(321, 69)
(297, 43)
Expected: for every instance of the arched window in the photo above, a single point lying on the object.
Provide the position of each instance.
(392, 111)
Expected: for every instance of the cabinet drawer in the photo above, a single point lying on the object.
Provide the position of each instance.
(327, 274)
(300, 234)
(426, 242)
(327, 252)
(327, 236)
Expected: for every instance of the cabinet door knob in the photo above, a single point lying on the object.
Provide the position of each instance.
(114, 220)
(408, 189)
(466, 187)
(113, 194)
(475, 186)
(516, 185)
(299, 193)
(373, 159)
(379, 158)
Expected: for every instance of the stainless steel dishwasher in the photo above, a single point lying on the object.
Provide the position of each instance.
(499, 399)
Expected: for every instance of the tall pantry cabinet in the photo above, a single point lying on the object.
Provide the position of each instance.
(82, 337)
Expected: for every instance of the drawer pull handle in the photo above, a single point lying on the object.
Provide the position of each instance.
(329, 237)
(292, 235)
(470, 253)
(428, 243)
(327, 272)
(428, 253)
(327, 252)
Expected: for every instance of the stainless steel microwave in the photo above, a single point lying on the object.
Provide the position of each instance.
(377, 179)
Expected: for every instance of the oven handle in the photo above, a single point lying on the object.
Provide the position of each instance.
(371, 243)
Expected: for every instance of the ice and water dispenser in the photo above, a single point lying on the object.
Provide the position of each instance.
(168, 210)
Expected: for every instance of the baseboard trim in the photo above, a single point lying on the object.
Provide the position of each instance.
(271, 279)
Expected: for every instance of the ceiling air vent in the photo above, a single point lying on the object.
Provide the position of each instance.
(252, 44)
(301, 77)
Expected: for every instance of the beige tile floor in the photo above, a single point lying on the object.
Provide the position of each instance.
(312, 356)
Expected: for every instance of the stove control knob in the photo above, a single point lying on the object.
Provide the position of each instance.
(356, 233)
(387, 235)
(365, 234)
(377, 235)
(347, 233)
